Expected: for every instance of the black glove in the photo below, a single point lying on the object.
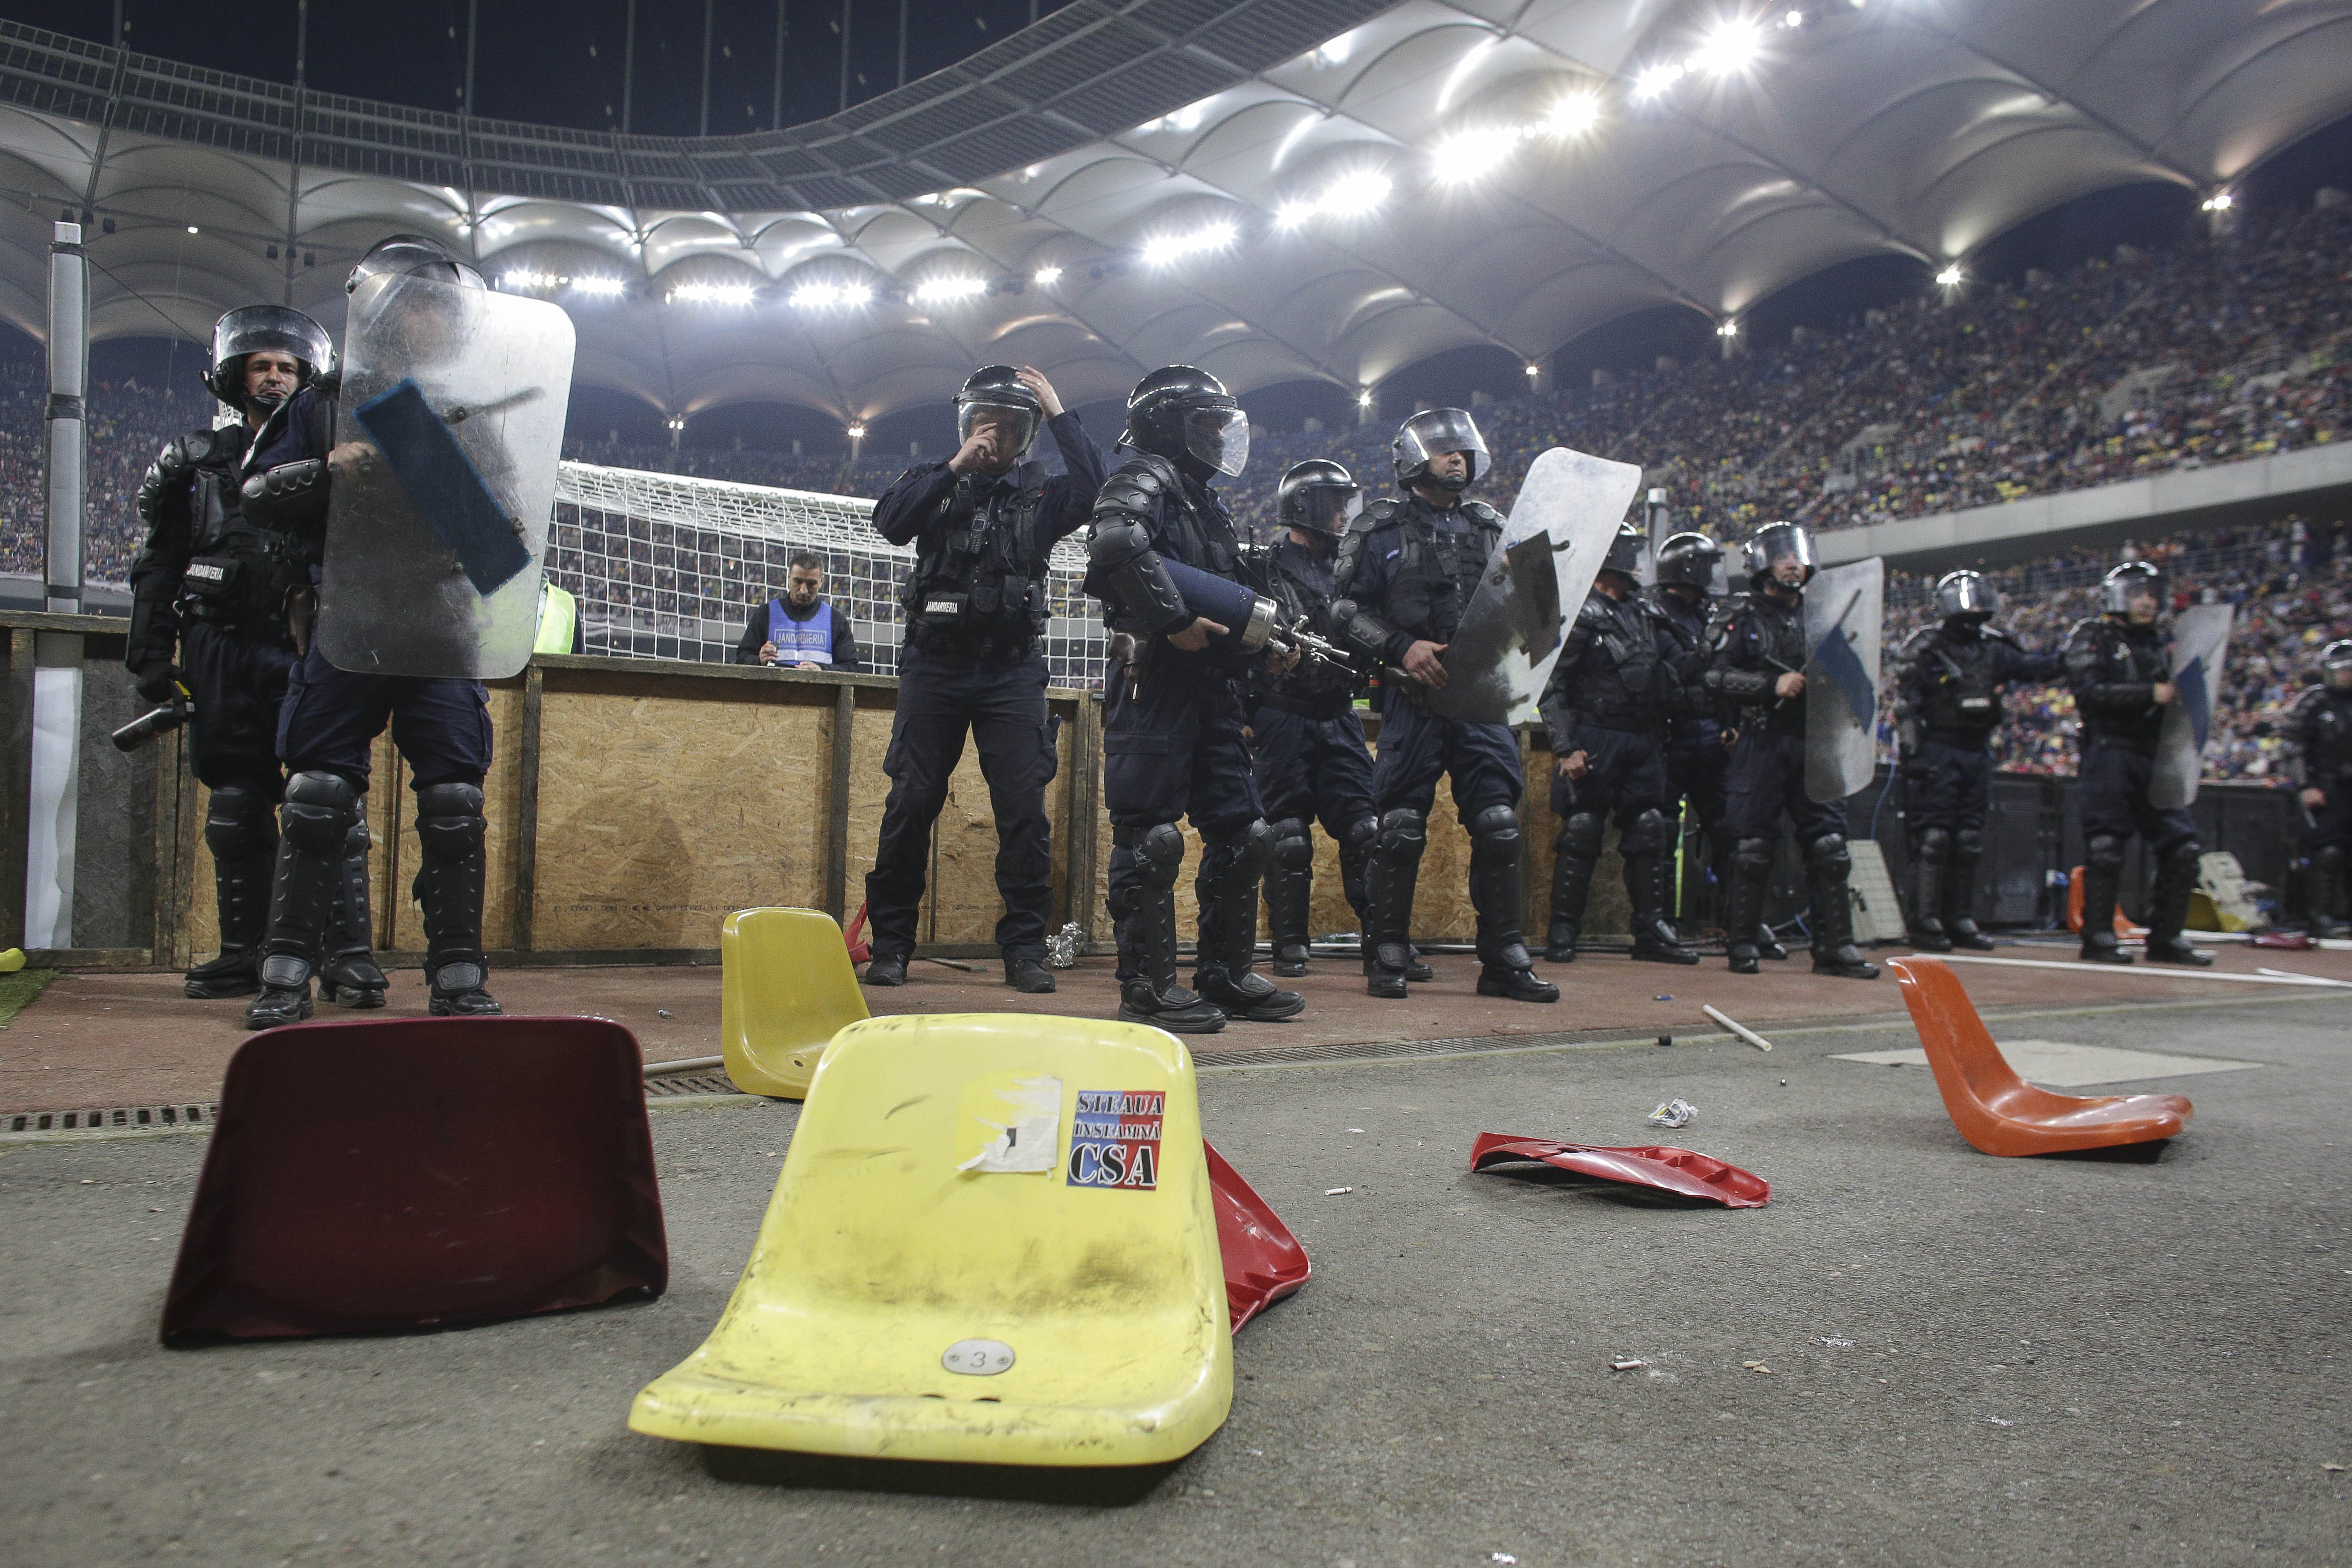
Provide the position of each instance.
(158, 682)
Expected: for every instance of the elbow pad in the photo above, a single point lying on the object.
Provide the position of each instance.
(288, 498)
(1129, 570)
(1368, 633)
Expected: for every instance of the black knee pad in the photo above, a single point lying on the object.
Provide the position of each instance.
(2181, 860)
(1159, 854)
(317, 812)
(1828, 850)
(2105, 852)
(449, 825)
(1360, 834)
(1580, 836)
(1257, 843)
(1494, 836)
(237, 823)
(1292, 850)
(2329, 859)
(1968, 844)
(1649, 834)
(1935, 844)
(1400, 828)
(1752, 857)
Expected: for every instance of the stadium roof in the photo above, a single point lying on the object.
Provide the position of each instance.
(1274, 188)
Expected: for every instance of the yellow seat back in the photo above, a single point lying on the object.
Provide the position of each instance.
(785, 989)
(977, 1252)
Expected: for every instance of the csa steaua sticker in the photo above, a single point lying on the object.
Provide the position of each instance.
(1115, 1139)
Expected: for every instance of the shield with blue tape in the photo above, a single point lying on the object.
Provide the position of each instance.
(2200, 643)
(449, 424)
(1845, 608)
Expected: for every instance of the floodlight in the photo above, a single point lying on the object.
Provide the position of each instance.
(940, 290)
(1574, 114)
(712, 294)
(1650, 83)
(1950, 277)
(603, 287)
(827, 295)
(1474, 154)
(1731, 48)
(1170, 248)
(1046, 276)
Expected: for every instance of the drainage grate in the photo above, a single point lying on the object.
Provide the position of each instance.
(121, 1118)
(674, 1085)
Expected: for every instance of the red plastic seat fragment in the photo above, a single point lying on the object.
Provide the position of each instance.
(1264, 1261)
(418, 1172)
(1679, 1171)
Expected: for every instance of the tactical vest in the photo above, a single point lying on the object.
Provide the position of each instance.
(808, 642)
(1772, 638)
(1435, 571)
(977, 588)
(2322, 736)
(1301, 584)
(1615, 683)
(1690, 709)
(238, 576)
(2100, 653)
(1963, 706)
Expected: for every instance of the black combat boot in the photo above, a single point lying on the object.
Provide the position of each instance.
(1574, 854)
(1933, 866)
(350, 978)
(1960, 894)
(2168, 910)
(1828, 866)
(1389, 883)
(1504, 967)
(1289, 892)
(315, 825)
(1228, 887)
(2102, 879)
(241, 832)
(1743, 904)
(1655, 940)
(1152, 995)
(450, 834)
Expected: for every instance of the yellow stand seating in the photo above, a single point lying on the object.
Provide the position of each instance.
(785, 989)
(992, 1242)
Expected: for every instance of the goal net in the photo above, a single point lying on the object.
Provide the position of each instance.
(669, 567)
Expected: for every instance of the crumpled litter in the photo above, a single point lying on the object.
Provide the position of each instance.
(1062, 947)
(1627, 1363)
(1675, 1112)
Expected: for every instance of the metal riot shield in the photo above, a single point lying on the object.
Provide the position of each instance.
(1553, 542)
(2200, 640)
(1845, 609)
(433, 536)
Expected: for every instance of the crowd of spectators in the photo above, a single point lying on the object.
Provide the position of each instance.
(129, 423)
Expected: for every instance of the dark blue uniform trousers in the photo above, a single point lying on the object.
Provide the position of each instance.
(1318, 770)
(1416, 747)
(1767, 778)
(1625, 776)
(239, 688)
(332, 716)
(1952, 789)
(2112, 789)
(1003, 703)
(1172, 750)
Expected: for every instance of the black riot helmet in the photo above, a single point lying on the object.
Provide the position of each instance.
(995, 394)
(413, 255)
(1966, 596)
(253, 329)
(2133, 579)
(2336, 662)
(1185, 414)
(1625, 552)
(1436, 430)
(1774, 543)
(1318, 495)
(1691, 559)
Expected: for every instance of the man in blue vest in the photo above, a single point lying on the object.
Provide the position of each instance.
(800, 630)
(983, 523)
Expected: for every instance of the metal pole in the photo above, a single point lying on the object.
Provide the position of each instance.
(473, 27)
(57, 676)
(776, 114)
(294, 154)
(628, 65)
(706, 67)
(844, 54)
(902, 43)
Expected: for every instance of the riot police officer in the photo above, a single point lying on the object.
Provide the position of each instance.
(2319, 765)
(1173, 716)
(1405, 576)
(213, 588)
(1603, 707)
(1759, 660)
(983, 523)
(1308, 743)
(1698, 745)
(331, 717)
(1949, 679)
(2119, 665)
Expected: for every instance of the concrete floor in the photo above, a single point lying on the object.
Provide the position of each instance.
(1972, 1360)
(98, 1040)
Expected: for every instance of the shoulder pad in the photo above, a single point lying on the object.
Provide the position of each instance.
(1595, 610)
(2000, 635)
(1379, 514)
(1917, 642)
(1130, 490)
(2088, 626)
(198, 445)
(1149, 472)
(1479, 512)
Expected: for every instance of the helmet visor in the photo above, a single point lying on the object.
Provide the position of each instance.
(1967, 594)
(2337, 657)
(1012, 427)
(1218, 438)
(2118, 594)
(1690, 560)
(1779, 545)
(1627, 553)
(276, 328)
(1437, 430)
(1326, 509)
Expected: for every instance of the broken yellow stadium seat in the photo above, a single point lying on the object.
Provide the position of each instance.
(992, 1242)
(785, 989)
